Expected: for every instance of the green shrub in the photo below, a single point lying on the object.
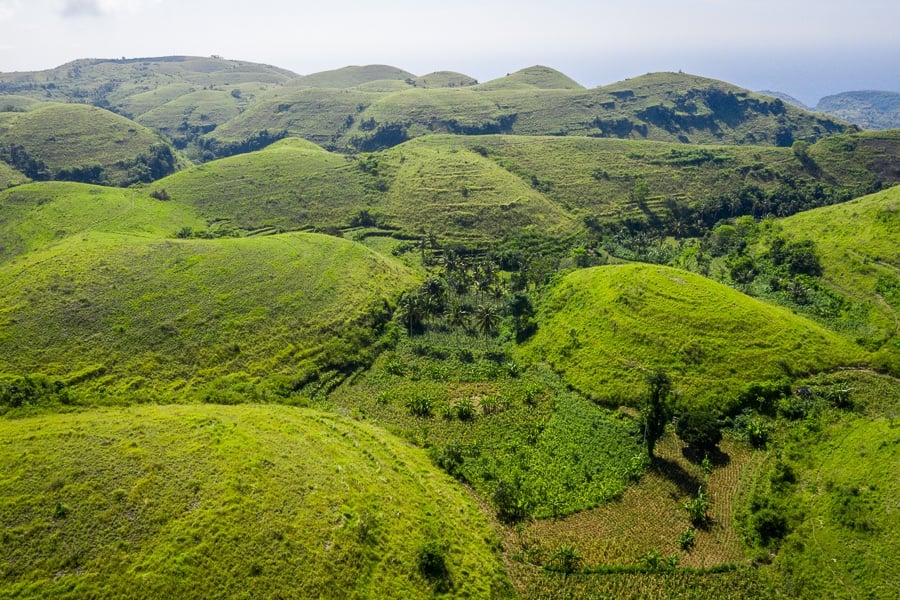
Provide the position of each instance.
(432, 562)
(564, 559)
(699, 430)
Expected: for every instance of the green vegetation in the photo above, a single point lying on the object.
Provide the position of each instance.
(200, 502)
(868, 109)
(88, 144)
(10, 177)
(820, 508)
(642, 364)
(159, 316)
(602, 329)
(837, 264)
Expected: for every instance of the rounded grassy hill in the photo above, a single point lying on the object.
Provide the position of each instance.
(604, 329)
(231, 502)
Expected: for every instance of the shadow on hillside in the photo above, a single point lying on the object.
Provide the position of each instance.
(687, 484)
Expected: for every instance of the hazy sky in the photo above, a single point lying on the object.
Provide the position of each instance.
(807, 48)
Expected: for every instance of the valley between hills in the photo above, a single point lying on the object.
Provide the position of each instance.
(370, 334)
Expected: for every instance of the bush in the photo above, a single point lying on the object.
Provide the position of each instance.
(511, 505)
(697, 508)
(431, 561)
(565, 559)
(699, 430)
(688, 538)
(420, 406)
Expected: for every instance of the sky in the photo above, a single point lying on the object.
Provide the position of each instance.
(806, 48)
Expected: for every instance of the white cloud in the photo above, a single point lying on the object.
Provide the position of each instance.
(98, 8)
(8, 9)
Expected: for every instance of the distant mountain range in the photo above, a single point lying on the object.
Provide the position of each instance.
(869, 109)
(211, 107)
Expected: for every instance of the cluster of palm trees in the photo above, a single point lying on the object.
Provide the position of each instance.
(467, 296)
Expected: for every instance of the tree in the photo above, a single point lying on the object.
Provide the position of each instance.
(656, 410)
(521, 310)
(487, 319)
(699, 430)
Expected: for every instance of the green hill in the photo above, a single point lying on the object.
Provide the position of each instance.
(427, 185)
(536, 77)
(86, 143)
(490, 187)
(292, 184)
(440, 79)
(604, 329)
(536, 101)
(122, 85)
(37, 215)
(202, 502)
(10, 177)
(857, 244)
(158, 317)
(351, 76)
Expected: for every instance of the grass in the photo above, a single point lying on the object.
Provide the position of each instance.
(537, 101)
(604, 329)
(96, 279)
(9, 177)
(559, 452)
(857, 246)
(67, 136)
(38, 215)
(536, 77)
(833, 471)
(292, 184)
(199, 502)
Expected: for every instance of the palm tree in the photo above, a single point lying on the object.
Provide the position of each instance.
(487, 319)
(411, 309)
(458, 318)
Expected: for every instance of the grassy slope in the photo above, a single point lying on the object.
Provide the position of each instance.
(120, 83)
(161, 313)
(857, 243)
(431, 187)
(605, 328)
(351, 76)
(459, 194)
(36, 215)
(317, 114)
(597, 176)
(847, 543)
(74, 135)
(10, 177)
(440, 79)
(200, 502)
(291, 184)
(99, 286)
(538, 101)
(512, 181)
(536, 77)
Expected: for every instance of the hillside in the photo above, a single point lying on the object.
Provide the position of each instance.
(125, 85)
(85, 143)
(868, 109)
(210, 501)
(857, 244)
(537, 77)
(486, 188)
(292, 184)
(536, 101)
(38, 215)
(127, 312)
(10, 177)
(604, 329)
(351, 76)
